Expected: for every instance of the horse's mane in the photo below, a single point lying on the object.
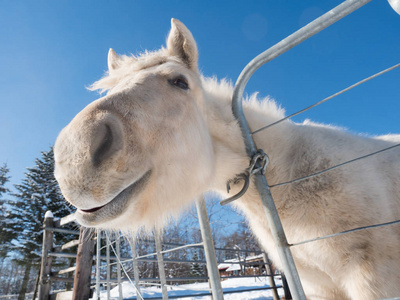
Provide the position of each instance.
(223, 91)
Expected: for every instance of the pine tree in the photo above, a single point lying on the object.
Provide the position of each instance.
(5, 234)
(195, 269)
(4, 179)
(37, 194)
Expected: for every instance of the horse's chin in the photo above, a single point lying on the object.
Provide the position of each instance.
(99, 216)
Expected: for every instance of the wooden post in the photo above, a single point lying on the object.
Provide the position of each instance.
(35, 291)
(84, 262)
(268, 270)
(45, 268)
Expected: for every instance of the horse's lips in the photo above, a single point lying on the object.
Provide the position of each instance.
(97, 208)
(117, 205)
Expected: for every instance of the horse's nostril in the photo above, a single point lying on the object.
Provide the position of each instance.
(105, 142)
(104, 147)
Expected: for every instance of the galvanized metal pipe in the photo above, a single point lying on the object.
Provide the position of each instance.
(108, 269)
(209, 250)
(296, 38)
(98, 243)
(271, 279)
(118, 254)
(146, 281)
(199, 245)
(161, 267)
(395, 4)
(132, 242)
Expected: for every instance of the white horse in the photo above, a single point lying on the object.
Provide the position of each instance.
(163, 135)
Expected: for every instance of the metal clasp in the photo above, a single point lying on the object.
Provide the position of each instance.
(258, 164)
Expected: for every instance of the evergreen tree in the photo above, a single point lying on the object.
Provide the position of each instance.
(6, 234)
(4, 179)
(37, 194)
(196, 269)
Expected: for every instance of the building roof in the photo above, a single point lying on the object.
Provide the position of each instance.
(233, 264)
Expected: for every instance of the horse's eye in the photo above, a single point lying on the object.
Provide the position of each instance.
(180, 82)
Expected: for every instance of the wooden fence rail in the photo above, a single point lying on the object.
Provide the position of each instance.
(84, 260)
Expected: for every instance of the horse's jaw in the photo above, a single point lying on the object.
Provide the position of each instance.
(116, 206)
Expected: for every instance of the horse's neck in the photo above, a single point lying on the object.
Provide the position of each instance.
(229, 148)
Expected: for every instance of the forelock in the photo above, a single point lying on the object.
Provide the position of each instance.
(129, 64)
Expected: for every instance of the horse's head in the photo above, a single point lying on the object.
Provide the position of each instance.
(141, 152)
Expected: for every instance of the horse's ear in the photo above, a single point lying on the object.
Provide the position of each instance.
(113, 61)
(181, 43)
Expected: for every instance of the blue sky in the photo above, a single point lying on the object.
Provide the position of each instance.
(51, 50)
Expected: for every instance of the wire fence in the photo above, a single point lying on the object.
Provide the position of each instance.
(130, 264)
(126, 265)
(327, 98)
(117, 257)
(291, 41)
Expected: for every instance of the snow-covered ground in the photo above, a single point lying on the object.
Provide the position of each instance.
(234, 284)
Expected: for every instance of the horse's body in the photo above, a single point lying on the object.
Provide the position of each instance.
(163, 135)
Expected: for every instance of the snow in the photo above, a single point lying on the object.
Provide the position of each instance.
(231, 265)
(36, 195)
(48, 214)
(229, 285)
(254, 257)
(7, 221)
(232, 268)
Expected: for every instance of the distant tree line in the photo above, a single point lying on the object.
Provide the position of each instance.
(21, 228)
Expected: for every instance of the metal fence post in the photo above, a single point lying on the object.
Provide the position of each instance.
(45, 268)
(209, 250)
(98, 244)
(135, 263)
(395, 4)
(118, 250)
(271, 279)
(161, 268)
(108, 269)
(260, 181)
